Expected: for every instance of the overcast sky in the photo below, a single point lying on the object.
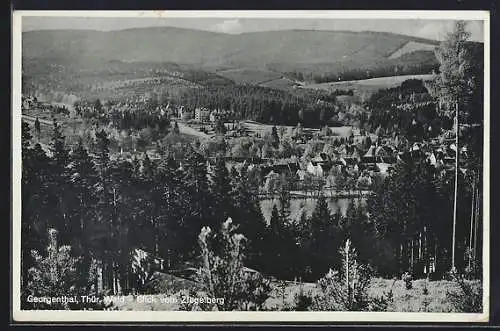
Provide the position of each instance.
(432, 29)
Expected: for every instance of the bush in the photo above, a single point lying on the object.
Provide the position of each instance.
(407, 278)
(187, 305)
(57, 275)
(223, 272)
(303, 301)
(469, 298)
(347, 290)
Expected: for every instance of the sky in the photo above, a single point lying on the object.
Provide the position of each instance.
(428, 28)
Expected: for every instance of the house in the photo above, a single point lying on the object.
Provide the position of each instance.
(184, 113)
(370, 167)
(301, 174)
(349, 161)
(283, 167)
(369, 156)
(431, 158)
(314, 169)
(202, 114)
(355, 153)
(344, 150)
(391, 159)
(270, 181)
(383, 150)
(321, 158)
(383, 168)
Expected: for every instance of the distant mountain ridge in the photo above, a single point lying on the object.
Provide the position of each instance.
(212, 49)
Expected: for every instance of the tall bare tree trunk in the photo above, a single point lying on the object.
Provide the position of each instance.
(420, 245)
(456, 190)
(476, 225)
(347, 268)
(435, 253)
(412, 257)
(472, 210)
(426, 253)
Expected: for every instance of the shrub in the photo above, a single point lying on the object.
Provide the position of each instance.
(57, 275)
(302, 300)
(407, 278)
(223, 272)
(257, 290)
(425, 291)
(469, 298)
(188, 305)
(347, 290)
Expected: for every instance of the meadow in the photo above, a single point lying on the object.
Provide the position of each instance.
(283, 295)
(366, 87)
(261, 129)
(249, 76)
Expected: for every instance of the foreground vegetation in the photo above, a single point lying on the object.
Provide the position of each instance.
(437, 300)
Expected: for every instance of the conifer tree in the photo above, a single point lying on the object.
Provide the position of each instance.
(220, 187)
(59, 183)
(455, 87)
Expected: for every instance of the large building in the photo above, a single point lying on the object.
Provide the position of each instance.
(202, 114)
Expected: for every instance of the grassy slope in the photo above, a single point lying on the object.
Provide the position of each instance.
(404, 300)
(249, 75)
(366, 87)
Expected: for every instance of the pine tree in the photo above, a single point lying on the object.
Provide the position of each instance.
(222, 270)
(59, 183)
(196, 185)
(173, 211)
(320, 218)
(37, 128)
(83, 178)
(102, 155)
(323, 240)
(275, 224)
(275, 139)
(176, 129)
(220, 187)
(53, 274)
(454, 87)
(60, 154)
(248, 214)
(284, 199)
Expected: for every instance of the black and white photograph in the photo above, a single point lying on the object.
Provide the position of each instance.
(251, 166)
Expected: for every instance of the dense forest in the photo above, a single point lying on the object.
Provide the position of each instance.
(103, 209)
(264, 104)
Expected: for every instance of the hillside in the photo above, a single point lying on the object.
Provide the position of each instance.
(186, 46)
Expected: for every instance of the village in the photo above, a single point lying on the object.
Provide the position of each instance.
(335, 161)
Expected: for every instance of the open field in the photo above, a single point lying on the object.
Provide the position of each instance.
(366, 87)
(249, 76)
(185, 129)
(280, 83)
(260, 128)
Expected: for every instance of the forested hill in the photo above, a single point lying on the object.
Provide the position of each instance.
(187, 46)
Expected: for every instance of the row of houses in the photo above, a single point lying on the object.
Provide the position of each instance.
(201, 114)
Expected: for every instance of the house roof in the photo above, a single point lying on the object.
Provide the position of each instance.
(321, 157)
(371, 152)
